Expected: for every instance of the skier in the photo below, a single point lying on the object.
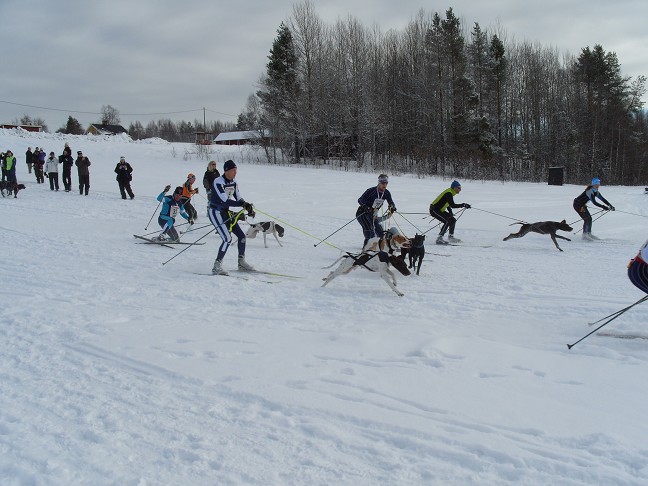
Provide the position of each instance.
(590, 193)
(170, 208)
(124, 177)
(441, 209)
(187, 192)
(225, 195)
(369, 204)
(638, 269)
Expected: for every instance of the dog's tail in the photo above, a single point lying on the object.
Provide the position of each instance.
(343, 256)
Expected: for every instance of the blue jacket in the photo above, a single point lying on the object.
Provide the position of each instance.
(170, 207)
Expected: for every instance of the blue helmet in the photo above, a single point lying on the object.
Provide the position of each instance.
(455, 184)
(596, 181)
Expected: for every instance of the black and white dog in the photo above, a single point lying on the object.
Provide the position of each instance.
(374, 258)
(265, 228)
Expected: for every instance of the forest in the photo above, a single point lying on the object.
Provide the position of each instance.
(440, 98)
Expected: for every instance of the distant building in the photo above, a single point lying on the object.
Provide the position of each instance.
(29, 128)
(99, 129)
(241, 138)
(204, 138)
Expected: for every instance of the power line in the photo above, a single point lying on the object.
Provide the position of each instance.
(121, 114)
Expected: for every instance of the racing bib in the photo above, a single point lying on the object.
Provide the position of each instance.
(173, 211)
(229, 190)
(377, 204)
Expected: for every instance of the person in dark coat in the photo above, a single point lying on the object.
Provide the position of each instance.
(83, 164)
(210, 176)
(29, 159)
(66, 160)
(39, 166)
(124, 173)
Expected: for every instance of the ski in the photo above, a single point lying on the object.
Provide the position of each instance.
(619, 335)
(272, 274)
(240, 277)
(152, 242)
(165, 242)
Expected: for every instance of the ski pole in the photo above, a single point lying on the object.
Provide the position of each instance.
(189, 246)
(616, 314)
(324, 240)
(302, 231)
(154, 212)
(601, 213)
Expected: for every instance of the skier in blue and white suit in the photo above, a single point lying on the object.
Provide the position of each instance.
(369, 204)
(170, 208)
(225, 195)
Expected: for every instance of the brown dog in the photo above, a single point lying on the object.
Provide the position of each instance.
(375, 259)
(544, 228)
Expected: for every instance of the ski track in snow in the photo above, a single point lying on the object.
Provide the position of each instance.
(117, 369)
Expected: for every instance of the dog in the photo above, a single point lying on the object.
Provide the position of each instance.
(11, 188)
(265, 227)
(416, 252)
(544, 228)
(375, 259)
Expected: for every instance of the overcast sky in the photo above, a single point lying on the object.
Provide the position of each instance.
(152, 57)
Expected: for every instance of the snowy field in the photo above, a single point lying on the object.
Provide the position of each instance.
(118, 369)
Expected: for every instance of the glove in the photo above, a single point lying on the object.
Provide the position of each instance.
(248, 207)
(191, 221)
(391, 209)
(166, 189)
(196, 189)
(605, 208)
(611, 208)
(466, 205)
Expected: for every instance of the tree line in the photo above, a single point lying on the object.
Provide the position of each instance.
(433, 99)
(172, 131)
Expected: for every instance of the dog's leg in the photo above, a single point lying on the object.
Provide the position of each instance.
(265, 243)
(420, 262)
(345, 267)
(274, 233)
(553, 237)
(562, 238)
(387, 275)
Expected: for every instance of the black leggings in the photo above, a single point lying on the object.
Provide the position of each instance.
(447, 219)
(587, 217)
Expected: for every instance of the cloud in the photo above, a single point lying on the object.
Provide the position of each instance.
(150, 56)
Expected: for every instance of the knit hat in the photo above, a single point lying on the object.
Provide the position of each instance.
(178, 190)
(79, 153)
(596, 181)
(229, 165)
(455, 184)
(382, 178)
(190, 175)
